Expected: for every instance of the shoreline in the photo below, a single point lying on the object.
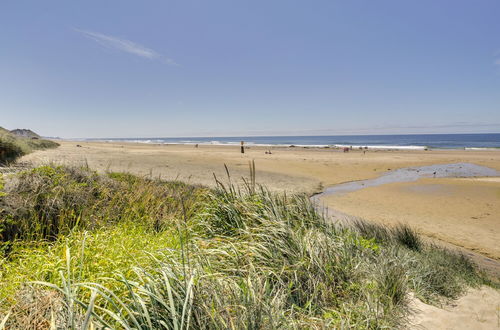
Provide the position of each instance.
(457, 141)
(278, 145)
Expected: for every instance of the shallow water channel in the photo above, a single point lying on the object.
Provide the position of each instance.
(408, 174)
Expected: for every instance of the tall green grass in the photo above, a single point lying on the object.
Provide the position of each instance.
(49, 201)
(230, 257)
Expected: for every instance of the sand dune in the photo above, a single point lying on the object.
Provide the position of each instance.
(464, 212)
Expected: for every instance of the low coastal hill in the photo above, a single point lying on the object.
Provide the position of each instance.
(23, 132)
(19, 142)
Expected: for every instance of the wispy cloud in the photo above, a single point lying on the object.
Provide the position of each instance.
(125, 45)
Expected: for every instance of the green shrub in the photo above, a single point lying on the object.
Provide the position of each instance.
(10, 149)
(37, 144)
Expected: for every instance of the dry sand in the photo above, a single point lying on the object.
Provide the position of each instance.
(465, 212)
(296, 169)
(479, 309)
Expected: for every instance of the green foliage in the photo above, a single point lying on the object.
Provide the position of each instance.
(394, 284)
(128, 252)
(2, 185)
(49, 201)
(95, 256)
(11, 148)
(438, 272)
(37, 144)
(369, 244)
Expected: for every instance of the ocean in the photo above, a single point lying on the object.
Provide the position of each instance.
(414, 141)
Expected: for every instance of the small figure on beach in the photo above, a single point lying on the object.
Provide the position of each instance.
(196, 145)
(346, 149)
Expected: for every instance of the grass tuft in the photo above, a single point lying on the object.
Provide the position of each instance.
(408, 237)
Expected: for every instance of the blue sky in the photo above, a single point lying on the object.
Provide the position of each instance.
(225, 68)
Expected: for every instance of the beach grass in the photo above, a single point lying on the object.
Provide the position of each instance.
(82, 249)
(12, 147)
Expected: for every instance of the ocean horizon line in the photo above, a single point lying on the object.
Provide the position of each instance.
(386, 141)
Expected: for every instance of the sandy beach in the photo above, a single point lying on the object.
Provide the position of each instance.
(287, 168)
(463, 212)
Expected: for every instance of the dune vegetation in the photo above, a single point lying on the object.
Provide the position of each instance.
(12, 146)
(81, 249)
